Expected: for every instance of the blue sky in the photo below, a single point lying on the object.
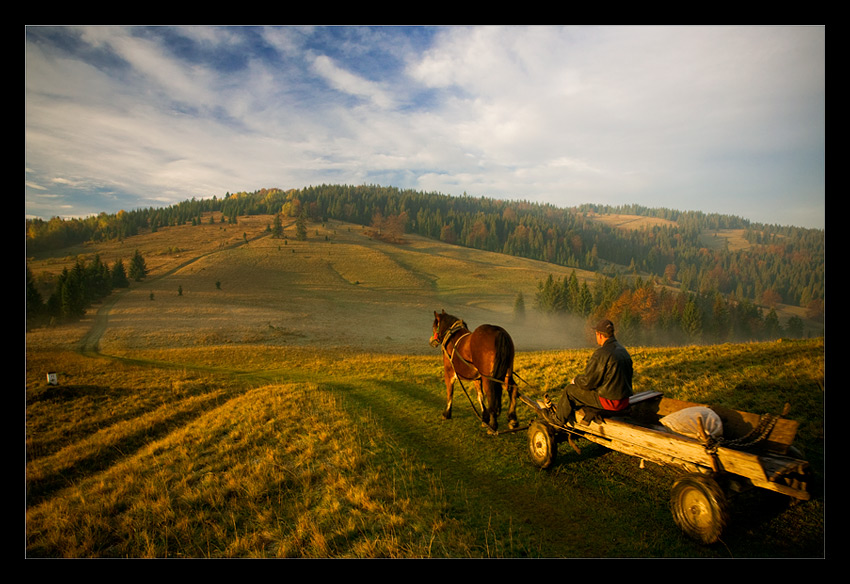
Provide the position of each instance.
(724, 120)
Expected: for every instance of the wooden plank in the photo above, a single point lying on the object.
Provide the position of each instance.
(737, 424)
(667, 448)
(663, 443)
(658, 444)
(741, 463)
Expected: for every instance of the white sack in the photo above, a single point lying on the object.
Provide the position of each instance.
(687, 422)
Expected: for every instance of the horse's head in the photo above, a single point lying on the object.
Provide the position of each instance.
(436, 332)
(443, 322)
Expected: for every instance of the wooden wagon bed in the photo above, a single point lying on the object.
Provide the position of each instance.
(765, 460)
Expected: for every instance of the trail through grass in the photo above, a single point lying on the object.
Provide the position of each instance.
(294, 411)
(311, 453)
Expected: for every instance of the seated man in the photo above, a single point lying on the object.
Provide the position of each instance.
(606, 383)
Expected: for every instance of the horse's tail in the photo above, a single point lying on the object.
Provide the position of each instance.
(504, 361)
(503, 364)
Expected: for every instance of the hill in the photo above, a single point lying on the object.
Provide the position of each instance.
(213, 284)
(345, 262)
(699, 253)
(274, 397)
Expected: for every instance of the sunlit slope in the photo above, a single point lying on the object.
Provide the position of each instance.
(338, 288)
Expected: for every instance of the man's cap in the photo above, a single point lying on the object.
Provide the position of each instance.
(605, 326)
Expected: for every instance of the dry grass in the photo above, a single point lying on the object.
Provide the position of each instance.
(733, 238)
(630, 221)
(308, 452)
(294, 412)
(332, 289)
(214, 470)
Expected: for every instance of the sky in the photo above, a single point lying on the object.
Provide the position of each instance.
(727, 120)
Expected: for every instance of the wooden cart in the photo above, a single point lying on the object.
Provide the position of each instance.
(755, 451)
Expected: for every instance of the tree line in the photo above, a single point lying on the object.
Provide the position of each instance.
(652, 314)
(78, 288)
(781, 264)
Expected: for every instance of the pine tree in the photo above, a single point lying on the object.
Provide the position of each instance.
(35, 303)
(692, 320)
(119, 275)
(277, 230)
(68, 299)
(301, 227)
(138, 269)
(795, 327)
(519, 308)
(772, 328)
(98, 281)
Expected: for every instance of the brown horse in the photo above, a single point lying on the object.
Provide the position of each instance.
(485, 356)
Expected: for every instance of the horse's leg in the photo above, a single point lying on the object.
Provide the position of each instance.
(490, 415)
(512, 390)
(450, 385)
(479, 390)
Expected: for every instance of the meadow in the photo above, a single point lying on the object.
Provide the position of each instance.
(256, 397)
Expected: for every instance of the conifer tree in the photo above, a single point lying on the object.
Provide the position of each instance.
(35, 303)
(138, 269)
(519, 308)
(692, 320)
(301, 227)
(68, 298)
(277, 230)
(119, 275)
(97, 279)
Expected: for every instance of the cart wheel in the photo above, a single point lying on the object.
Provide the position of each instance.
(542, 445)
(699, 507)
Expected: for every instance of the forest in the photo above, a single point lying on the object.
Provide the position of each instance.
(781, 264)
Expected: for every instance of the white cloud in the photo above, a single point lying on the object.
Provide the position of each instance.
(564, 114)
(351, 84)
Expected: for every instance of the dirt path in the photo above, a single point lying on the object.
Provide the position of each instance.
(90, 342)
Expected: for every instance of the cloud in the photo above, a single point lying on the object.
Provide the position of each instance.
(722, 119)
(351, 84)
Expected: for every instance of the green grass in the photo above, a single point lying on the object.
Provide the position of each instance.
(295, 412)
(309, 453)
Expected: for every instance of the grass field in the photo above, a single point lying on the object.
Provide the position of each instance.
(294, 411)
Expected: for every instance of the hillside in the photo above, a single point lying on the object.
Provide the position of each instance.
(340, 287)
(219, 264)
(699, 253)
(262, 397)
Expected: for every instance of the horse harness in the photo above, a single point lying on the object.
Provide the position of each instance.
(456, 326)
(453, 329)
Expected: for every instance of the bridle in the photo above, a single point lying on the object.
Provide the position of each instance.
(448, 334)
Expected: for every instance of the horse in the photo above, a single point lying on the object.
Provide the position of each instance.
(484, 356)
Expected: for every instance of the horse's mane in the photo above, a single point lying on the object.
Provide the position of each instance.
(449, 321)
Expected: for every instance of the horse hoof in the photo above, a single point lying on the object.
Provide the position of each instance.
(447, 416)
(513, 424)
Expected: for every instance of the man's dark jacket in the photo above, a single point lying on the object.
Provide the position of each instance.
(609, 371)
